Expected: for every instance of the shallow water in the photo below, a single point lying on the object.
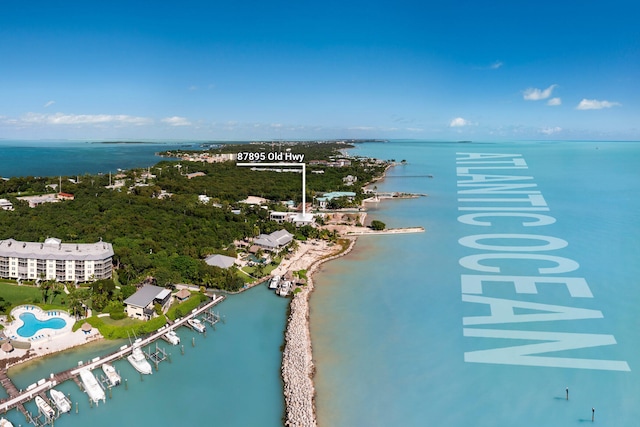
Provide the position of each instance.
(387, 322)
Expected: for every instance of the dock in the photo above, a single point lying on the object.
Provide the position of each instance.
(18, 398)
(369, 232)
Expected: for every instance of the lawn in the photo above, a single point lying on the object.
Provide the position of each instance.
(26, 294)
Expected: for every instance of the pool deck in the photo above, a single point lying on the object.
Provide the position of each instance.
(45, 341)
(11, 329)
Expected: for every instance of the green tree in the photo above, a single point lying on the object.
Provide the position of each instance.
(378, 225)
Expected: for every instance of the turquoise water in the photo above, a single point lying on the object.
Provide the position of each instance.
(53, 158)
(388, 322)
(231, 377)
(32, 325)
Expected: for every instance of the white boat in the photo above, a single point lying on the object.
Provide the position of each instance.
(284, 288)
(172, 337)
(45, 408)
(61, 401)
(92, 386)
(197, 325)
(112, 374)
(273, 284)
(5, 423)
(138, 361)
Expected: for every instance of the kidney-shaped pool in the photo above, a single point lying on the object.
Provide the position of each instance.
(32, 324)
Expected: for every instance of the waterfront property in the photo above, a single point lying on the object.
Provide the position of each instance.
(33, 324)
(141, 304)
(17, 398)
(327, 197)
(221, 261)
(54, 260)
(274, 241)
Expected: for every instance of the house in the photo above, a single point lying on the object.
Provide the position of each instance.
(274, 241)
(349, 180)
(65, 196)
(195, 175)
(279, 217)
(221, 261)
(327, 197)
(141, 305)
(6, 205)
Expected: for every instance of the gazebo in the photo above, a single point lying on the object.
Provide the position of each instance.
(7, 347)
(183, 294)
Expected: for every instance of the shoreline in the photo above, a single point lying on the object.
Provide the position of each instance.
(297, 358)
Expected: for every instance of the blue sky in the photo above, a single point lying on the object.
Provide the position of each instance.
(236, 70)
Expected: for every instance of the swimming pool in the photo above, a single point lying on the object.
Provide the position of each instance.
(32, 324)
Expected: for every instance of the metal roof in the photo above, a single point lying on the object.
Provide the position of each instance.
(146, 295)
(54, 249)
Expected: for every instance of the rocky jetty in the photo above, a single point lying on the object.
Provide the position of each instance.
(297, 358)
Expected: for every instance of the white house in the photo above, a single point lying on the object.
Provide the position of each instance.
(6, 205)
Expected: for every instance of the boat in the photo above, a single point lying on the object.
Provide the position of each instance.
(92, 386)
(138, 360)
(112, 374)
(5, 423)
(284, 288)
(273, 284)
(197, 325)
(172, 337)
(60, 400)
(45, 408)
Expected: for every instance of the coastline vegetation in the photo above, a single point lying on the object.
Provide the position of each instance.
(168, 237)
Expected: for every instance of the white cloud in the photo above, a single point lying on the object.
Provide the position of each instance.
(361, 128)
(594, 104)
(49, 104)
(459, 122)
(496, 65)
(535, 94)
(550, 130)
(83, 119)
(176, 121)
(554, 101)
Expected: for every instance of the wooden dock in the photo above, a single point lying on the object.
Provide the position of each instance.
(17, 398)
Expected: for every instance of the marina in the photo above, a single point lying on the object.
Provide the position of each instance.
(82, 375)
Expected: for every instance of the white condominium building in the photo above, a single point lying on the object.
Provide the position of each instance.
(54, 260)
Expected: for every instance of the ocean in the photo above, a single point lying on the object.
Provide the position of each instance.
(411, 330)
(54, 158)
(398, 339)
